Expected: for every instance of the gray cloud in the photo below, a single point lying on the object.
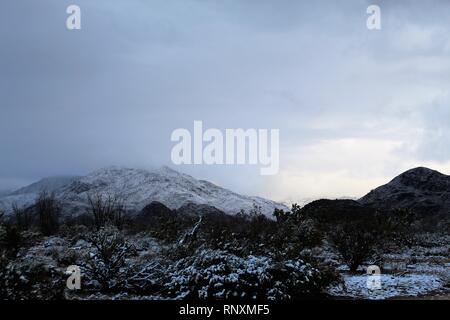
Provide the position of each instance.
(113, 92)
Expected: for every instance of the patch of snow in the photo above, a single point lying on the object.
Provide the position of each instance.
(356, 286)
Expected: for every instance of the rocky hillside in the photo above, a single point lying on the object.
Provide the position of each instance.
(421, 189)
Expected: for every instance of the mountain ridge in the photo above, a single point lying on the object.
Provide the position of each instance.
(139, 187)
(49, 184)
(421, 189)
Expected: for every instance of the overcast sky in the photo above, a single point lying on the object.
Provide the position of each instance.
(354, 107)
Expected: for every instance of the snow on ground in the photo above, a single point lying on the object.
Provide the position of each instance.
(359, 286)
(422, 270)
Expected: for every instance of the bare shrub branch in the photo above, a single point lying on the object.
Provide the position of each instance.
(106, 210)
(49, 211)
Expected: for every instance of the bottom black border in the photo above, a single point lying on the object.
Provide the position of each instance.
(128, 310)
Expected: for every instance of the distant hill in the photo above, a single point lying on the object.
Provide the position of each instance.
(330, 211)
(423, 190)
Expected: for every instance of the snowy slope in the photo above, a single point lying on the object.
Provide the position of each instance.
(4, 193)
(140, 187)
(25, 196)
(50, 184)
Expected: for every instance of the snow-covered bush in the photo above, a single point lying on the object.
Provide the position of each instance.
(294, 233)
(215, 274)
(74, 233)
(28, 279)
(148, 279)
(355, 243)
(11, 240)
(107, 261)
(254, 234)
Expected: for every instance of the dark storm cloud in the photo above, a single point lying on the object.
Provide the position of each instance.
(111, 93)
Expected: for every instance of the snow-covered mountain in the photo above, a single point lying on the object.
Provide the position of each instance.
(4, 193)
(25, 196)
(139, 187)
(50, 184)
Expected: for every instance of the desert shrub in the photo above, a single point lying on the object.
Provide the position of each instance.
(253, 233)
(85, 219)
(163, 223)
(48, 210)
(2, 233)
(106, 210)
(221, 232)
(215, 274)
(170, 229)
(242, 234)
(355, 242)
(67, 258)
(23, 217)
(147, 279)
(191, 235)
(397, 226)
(247, 233)
(11, 240)
(6, 277)
(28, 280)
(2, 226)
(256, 232)
(109, 269)
(294, 233)
(74, 232)
(107, 263)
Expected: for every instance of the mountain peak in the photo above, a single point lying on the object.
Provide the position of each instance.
(123, 170)
(421, 171)
(422, 178)
(422, 189)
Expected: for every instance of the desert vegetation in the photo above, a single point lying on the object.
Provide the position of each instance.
(160, 253)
